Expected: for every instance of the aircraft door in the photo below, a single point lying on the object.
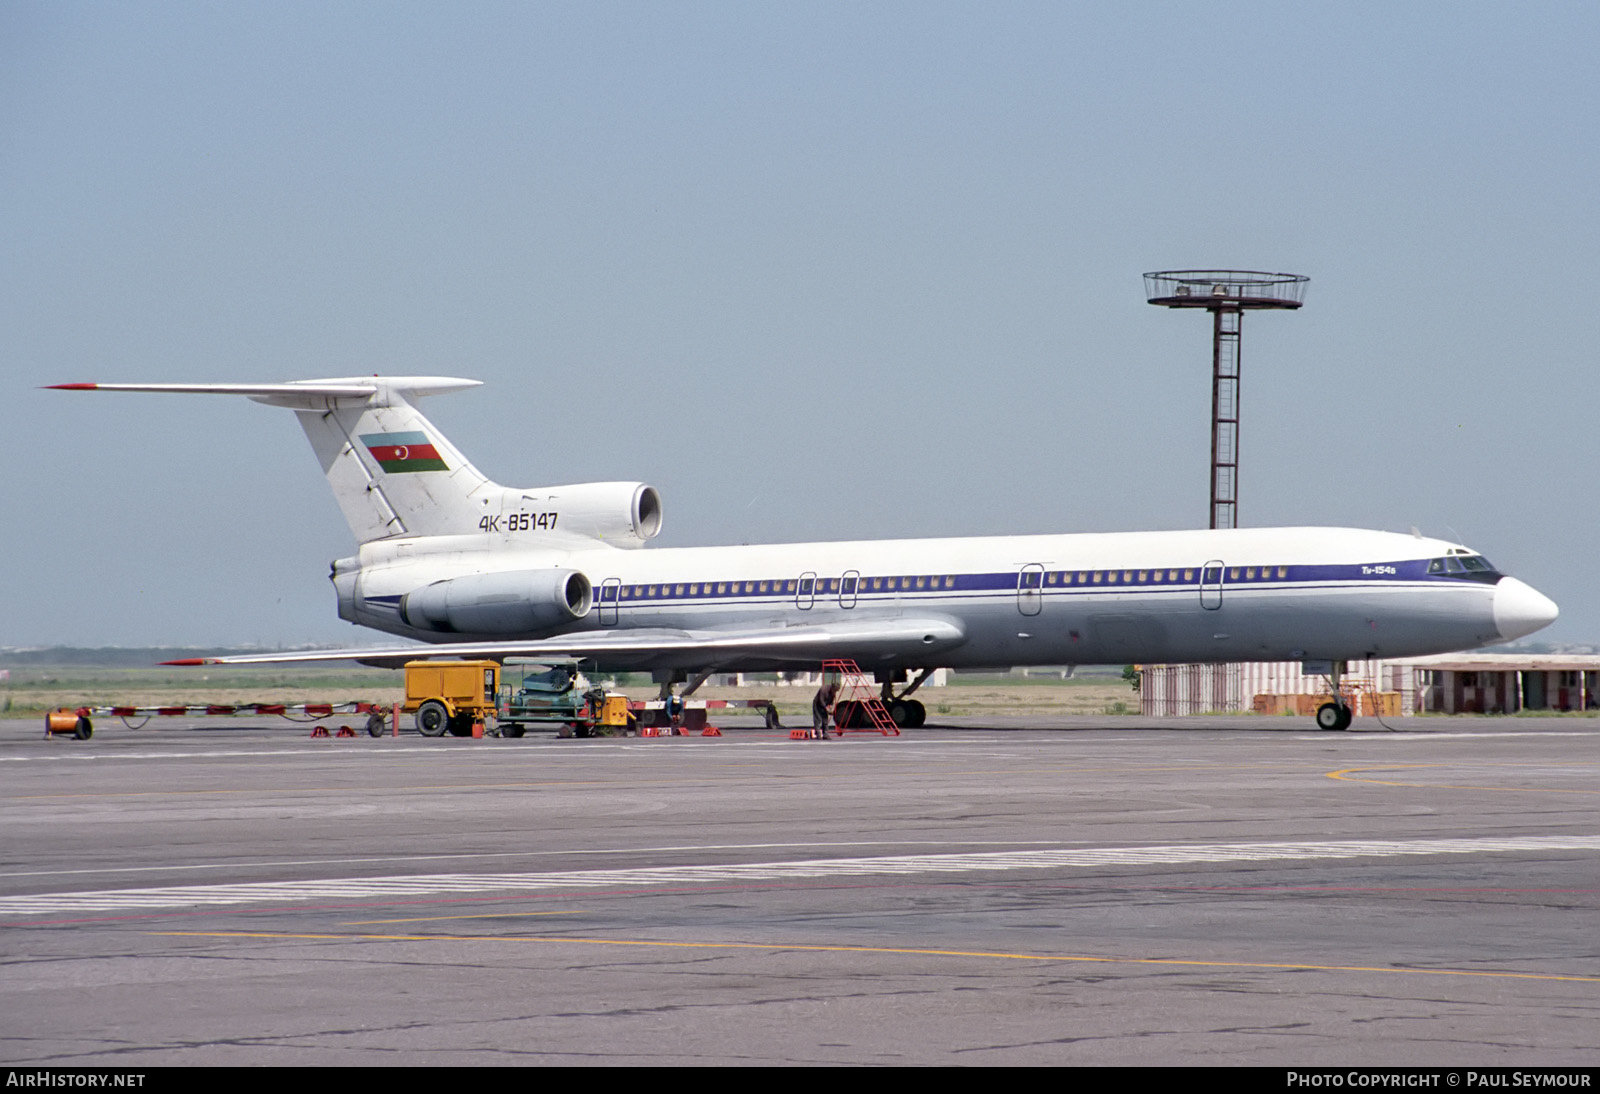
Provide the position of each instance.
(610, 594)
(807, 592)
(847, 588)
(1030, 589)
(1211, 585)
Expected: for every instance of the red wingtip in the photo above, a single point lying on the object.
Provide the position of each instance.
(190, 661)
(71, 387)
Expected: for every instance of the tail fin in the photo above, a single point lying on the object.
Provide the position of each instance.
(392, 472)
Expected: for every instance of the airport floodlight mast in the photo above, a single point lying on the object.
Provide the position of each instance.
(1227, 295)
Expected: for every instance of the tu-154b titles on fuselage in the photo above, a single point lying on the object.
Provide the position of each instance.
(481, 570)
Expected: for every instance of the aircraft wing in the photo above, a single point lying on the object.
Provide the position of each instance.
(902, 640)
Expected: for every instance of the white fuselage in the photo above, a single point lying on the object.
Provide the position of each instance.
(450, 557)
(1247, 594)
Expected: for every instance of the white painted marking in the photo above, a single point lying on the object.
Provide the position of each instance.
(187, 754)
(457, 856)
(193, 896)
(501, 752)
(1424, 735)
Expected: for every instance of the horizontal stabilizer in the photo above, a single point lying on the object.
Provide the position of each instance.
(303, 387)
(300, 394)
(391, 471)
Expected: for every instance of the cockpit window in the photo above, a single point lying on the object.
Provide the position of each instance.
(1471, 567)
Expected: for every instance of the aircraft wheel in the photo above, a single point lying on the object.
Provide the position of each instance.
(918, 714)
(1346, 716)
(1333, 716)
(511, 729)
(846, 714)
(432, 718)
(900, 713)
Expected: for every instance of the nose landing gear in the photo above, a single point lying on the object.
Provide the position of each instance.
(1336, 715)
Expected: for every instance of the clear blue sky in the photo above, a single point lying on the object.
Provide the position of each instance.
(814, 270)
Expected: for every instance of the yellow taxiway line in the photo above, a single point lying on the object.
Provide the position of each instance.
(1275, 966)
(1348, 774)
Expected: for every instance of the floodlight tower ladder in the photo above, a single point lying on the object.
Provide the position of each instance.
(1227, 295)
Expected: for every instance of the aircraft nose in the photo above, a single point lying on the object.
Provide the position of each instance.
(1521, 609)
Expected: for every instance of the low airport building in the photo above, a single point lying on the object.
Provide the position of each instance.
(1455, 683)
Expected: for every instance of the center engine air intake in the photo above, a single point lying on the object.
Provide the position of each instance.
(623, 514)
(517, 602)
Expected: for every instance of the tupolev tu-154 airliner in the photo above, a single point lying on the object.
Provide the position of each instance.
(484, 570)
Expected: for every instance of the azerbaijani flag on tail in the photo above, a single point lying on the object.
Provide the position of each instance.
(397, 452)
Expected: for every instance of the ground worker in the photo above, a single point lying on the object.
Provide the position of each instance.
(821, 708)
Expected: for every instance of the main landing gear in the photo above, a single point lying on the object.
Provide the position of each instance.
(905, 712)
(1336, 715)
